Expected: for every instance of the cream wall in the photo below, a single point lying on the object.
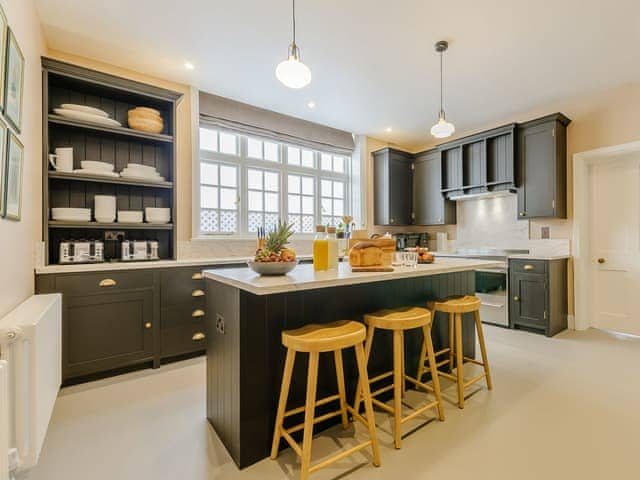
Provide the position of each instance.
(18, 239)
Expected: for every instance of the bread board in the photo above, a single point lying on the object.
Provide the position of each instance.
(377, 268)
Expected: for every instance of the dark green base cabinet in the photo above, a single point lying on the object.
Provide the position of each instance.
(538, 290)
(115, 321)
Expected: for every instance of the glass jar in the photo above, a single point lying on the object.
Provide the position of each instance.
(332, 248)
(320, 249)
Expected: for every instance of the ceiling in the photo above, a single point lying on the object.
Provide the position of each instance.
(372, 61)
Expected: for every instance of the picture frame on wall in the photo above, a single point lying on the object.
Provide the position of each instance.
(3, 54)
(13, 81)
(3, 151)
(13, 177)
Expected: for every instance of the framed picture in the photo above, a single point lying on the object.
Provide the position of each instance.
(13, 177)
(3, 53)
(3, 151)
(14, 82)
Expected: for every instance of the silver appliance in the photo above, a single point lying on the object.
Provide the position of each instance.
(81, 251)
(492, 284)
(132, 250)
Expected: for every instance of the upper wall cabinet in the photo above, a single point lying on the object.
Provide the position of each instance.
(430, 207)
(542, 167)
(393, 185)
(479, 163)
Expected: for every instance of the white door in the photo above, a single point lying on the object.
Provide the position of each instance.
(614, 283)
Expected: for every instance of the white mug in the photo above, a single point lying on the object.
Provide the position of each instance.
(62, 160)
(104, 208)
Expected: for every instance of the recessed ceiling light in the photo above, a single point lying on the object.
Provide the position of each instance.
(388, 129)
(189, 65)
(312, 104)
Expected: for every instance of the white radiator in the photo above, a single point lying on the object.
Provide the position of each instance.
(30, 376)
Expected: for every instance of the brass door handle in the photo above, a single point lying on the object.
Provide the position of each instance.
(529, 267)
(147, 325)
(601, 260)
(516, 298)
(197, 293)
(107, 282)
(197, 313)
(522, 214)
(198, 336)
(197, 276)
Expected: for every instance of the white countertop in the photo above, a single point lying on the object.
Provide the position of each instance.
(303, 277)
(109, 266)
(522, 256)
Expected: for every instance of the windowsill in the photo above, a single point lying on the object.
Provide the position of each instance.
(232, 237)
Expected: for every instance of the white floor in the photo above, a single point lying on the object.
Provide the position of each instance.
(562, 408)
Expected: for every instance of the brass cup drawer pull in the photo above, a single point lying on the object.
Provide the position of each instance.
(529, 267)
(197, 293)
(197, 276)
(147, 325)
(197, 313)
(198, 336)
(516, 298)
(107, 282)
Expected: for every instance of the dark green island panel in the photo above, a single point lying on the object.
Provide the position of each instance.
(245, 358)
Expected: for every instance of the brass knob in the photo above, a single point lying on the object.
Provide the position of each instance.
(197, 293)
(198, 336)
(392, 220)
(147, 325)
(601, 260)
(522, 214)
(107, 282)
(528, 267)
(197, 276)
(516, 298)
(197, 313)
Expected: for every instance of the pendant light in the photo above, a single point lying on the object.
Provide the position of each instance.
(292, 72)
(442, 129)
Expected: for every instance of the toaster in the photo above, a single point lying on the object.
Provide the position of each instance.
(139, 250)
(81, 251)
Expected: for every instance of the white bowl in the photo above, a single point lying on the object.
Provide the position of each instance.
(137, 167)
(157, 213)
(105, 219)
(71, 214)
(272, 268)
(130, 216)
(98, 166)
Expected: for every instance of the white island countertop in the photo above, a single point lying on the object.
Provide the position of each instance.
(303, 277)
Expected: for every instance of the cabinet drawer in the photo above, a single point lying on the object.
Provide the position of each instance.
(528, 266)
(191, 313)
(180, 285)
(103, 282)
(184, 339)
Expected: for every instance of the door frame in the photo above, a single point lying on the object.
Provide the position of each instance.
(581, 221)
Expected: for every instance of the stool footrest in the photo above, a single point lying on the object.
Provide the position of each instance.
(383, 406)
(419, 411)
(448, 375)
(382, 390)
(442, 352)
(321, 418)
(473, 360)
(380, 377)
(418, 383)
(292, 443)
(474, 379)
(339, 456)
(320, 402)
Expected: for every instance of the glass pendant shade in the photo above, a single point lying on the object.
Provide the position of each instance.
(442, 129)
(292, 72)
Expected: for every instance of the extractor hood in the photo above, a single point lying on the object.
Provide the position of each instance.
(474, 196)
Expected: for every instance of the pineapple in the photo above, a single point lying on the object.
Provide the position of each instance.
(274, 250)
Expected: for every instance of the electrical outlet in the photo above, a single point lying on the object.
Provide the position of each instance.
(544, 233)
(220, 323)
(113, 235)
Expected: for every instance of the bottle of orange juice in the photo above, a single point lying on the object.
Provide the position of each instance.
(332, 249)
(320, 249)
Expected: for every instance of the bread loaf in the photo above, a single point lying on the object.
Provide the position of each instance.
(365, 254)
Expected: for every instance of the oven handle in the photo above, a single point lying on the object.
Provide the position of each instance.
(494, 305)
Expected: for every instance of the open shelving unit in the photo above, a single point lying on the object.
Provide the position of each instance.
(67, 83)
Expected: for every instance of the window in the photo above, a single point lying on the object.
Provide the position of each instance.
(248, 182)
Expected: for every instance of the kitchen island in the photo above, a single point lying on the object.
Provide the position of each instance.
(246, 314)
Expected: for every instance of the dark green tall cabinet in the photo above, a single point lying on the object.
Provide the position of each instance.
(393, 186)
(430, 207)
(542, 167)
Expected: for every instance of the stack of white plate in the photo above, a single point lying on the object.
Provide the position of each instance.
(130, 216)
(71, 214)
(146, 173)
(87, 114)
(91, 167)
(157, 215)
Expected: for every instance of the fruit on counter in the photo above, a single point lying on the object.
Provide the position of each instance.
(424, 255)
(275, 245)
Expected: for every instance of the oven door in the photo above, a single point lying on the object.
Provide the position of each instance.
(491, 289)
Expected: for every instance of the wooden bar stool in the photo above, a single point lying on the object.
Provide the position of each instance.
(314, 339)
(398, 320)
(455, 307)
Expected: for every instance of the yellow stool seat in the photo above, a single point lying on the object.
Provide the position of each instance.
(404, 318)
(324, 338)
(466, 304)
